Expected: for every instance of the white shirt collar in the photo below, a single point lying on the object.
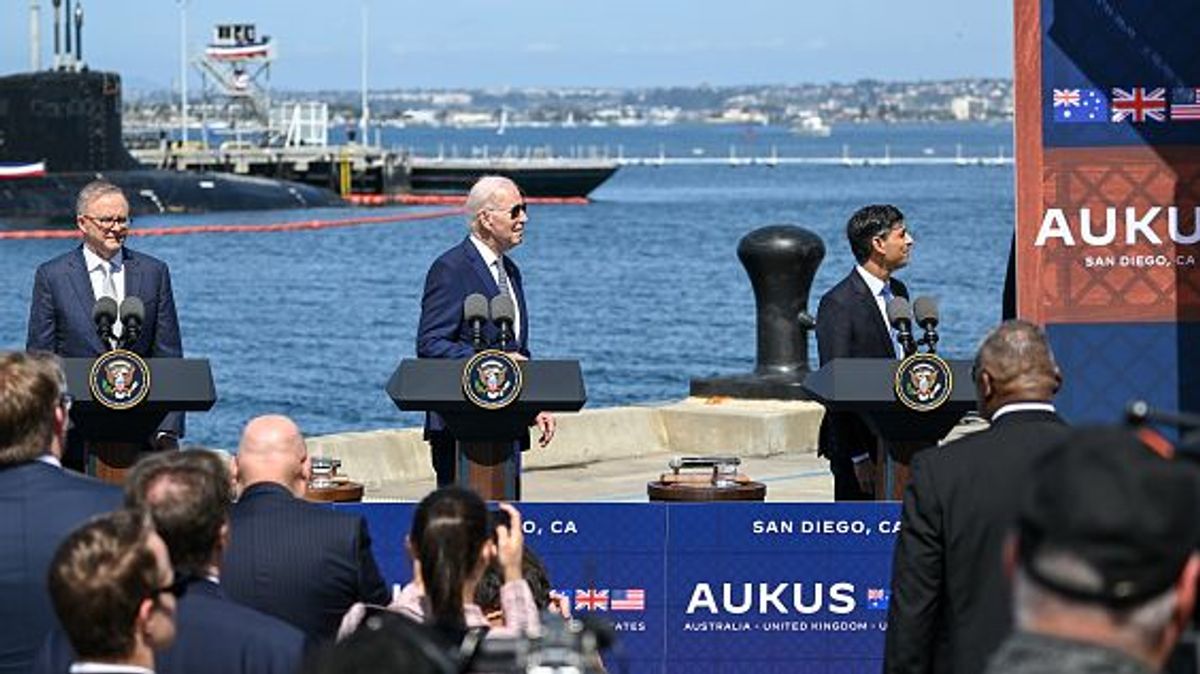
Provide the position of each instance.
(91, 259)
(873, 282)
(51, 460)
(1021, 407)
(86, 667)
(489, 255)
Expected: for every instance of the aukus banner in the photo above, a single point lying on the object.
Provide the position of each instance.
(1108, 180)
(731, 587)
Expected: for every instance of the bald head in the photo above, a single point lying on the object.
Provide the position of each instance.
(1015, 364)
(272, 450)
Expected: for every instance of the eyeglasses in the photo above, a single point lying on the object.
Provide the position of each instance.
(177, 588)
(514, 211)
(110, 223)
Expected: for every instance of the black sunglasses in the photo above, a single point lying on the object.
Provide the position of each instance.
(177, 587)
(514, 212)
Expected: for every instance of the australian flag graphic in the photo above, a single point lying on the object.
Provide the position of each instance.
(1080, 106)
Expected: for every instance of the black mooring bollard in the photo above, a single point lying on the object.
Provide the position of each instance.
(782, 261)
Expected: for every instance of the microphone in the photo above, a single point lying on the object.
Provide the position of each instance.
(475, 313)
(503, 314)
(133, 315)
(926, 310)
(900, 316)
(104, 314)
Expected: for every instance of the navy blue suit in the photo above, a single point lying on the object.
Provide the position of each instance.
(212, 634)
(39, 505)
(60, 312)
(299, 561)
(849, 325)
(442, 332)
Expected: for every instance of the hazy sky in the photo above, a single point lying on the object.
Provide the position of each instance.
(485, 43)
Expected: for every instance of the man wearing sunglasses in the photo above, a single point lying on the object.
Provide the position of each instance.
(66, 288)
(496, 218)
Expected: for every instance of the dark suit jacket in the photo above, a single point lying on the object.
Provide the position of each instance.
(950, 606)
(60, 313)
(39, 505)
(299, 561)
(442, 332)
(212, 634)
(849, 325)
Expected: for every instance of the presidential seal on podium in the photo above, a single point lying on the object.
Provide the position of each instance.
(923, 382)
(119, 379)
(492, 380)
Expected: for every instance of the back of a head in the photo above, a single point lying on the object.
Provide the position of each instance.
(31, 386)
(271, 449)
(533, 570)
(867, 223)
(1018, 357)
(98, 579)
(449, 531)
(1106, 521)
(188, 495)
(383, 643)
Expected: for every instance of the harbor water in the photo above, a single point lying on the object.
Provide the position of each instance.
(642, 285)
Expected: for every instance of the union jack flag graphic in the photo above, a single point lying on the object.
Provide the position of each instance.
(1139, 104)
(591, 600)
(1066, 98)
(628, 600)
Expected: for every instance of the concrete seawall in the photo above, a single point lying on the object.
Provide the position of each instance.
(394, 464)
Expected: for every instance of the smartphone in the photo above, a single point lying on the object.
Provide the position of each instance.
(497, 518)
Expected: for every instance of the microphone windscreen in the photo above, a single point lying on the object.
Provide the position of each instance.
(475, 308)
(926, 310)
(503, 308)
(898, 310)
(104, 308)
(133, 310)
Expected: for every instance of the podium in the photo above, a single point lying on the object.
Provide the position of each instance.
(865, 386)
(113, 437)
(488, 441)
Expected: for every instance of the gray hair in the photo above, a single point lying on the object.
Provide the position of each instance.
(92, 191)
(482, 193)
(1141, 626)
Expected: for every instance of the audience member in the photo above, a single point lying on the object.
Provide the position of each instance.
(40, 503)
(951, 603)
(114, 592)
(1105, 559)
(451, 544)
(487, 592)
(387, 642)
(302, 562)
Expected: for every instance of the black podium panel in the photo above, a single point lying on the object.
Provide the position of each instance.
(435, 385)
(176, 385)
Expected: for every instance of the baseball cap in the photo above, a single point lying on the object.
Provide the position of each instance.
(1103, 497)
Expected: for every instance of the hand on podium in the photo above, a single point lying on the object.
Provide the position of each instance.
(544, 421)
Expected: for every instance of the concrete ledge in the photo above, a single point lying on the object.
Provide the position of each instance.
(695, 426)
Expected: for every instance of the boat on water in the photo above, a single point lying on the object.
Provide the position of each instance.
(811, 125)
(552, 178)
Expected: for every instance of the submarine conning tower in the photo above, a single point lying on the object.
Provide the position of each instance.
(70, 120)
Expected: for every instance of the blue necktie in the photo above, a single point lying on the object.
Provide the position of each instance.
(887, 296)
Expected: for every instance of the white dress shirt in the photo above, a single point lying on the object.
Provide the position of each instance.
(95, 266)
(493, 261)
(877, 285)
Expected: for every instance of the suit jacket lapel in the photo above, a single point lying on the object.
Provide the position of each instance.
(133, 275)
(480, 267)
(882, 331)
(81, 284)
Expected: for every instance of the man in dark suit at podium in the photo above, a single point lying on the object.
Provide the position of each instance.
(66, 288)
(496, 217)
(950, 606)
(40, 503)
(852, 323)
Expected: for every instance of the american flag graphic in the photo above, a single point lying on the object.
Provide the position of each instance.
(1139, 104)
(877, 598)
(628, 600)
(591, 600)
(1185, 104)
(1079, 106)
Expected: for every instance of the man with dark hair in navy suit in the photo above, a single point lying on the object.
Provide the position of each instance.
(302, 562)
(496, 217)
(852, 323)
(66, 288)
(40, 503)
